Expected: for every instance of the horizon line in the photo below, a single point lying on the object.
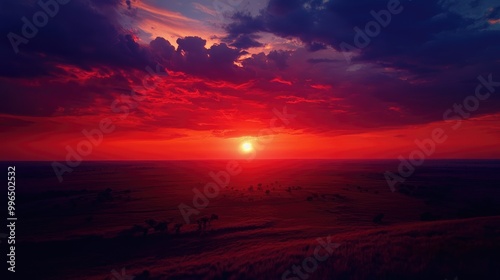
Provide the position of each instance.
(233, 159)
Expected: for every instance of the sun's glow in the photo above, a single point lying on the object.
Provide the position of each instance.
(247, 147)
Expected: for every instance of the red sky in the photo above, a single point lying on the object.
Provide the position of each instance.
(230, 71)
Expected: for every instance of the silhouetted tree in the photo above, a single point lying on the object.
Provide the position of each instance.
(205, 221)
(213, 218)
(177, 228)
(151, 223)
(161, 227)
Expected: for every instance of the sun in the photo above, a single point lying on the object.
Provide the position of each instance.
(247, 147)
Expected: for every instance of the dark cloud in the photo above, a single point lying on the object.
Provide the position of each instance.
(217, 62)
(266, 65)
(223, 55)
(316, 46)
(82, 33)
(162, 49)
(322, 60)
(280, 58)
(424, 36)
(246, 41)
(87, 34)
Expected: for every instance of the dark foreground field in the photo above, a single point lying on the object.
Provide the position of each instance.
(275, 220)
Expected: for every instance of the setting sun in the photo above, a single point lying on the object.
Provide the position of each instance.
(246, 147)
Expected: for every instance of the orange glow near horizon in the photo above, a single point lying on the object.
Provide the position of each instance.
(194, 144)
